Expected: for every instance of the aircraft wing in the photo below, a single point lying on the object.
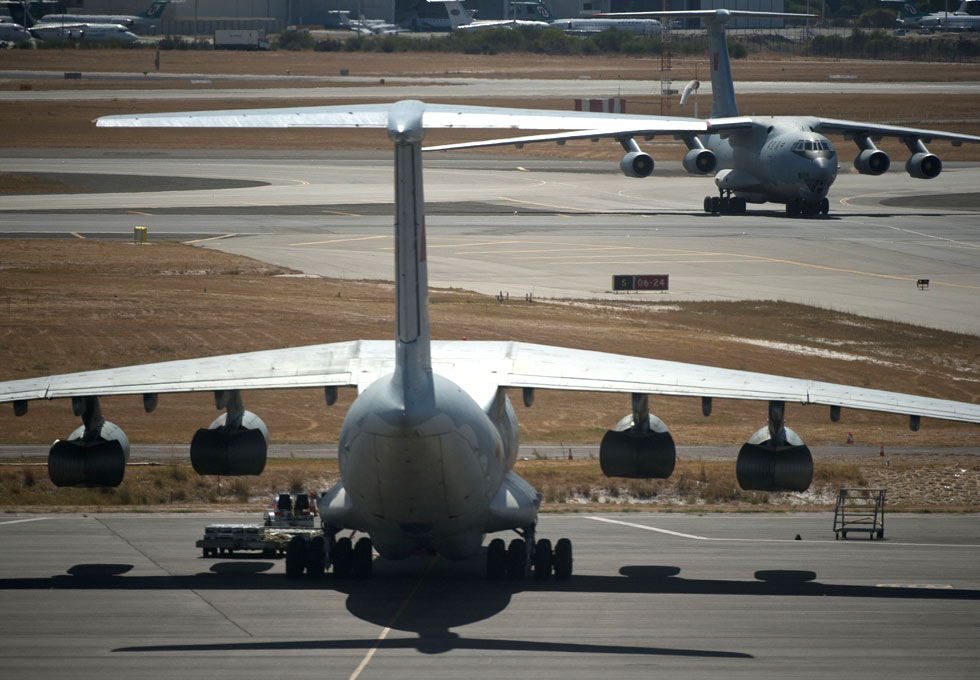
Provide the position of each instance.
(646, 126)
(312, 366)
(525, 365)
(876, 130)
(502, 364)
(434, 116)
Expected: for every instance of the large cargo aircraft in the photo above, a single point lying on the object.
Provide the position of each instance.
(756, 159)
(427, 448)
(149, 17)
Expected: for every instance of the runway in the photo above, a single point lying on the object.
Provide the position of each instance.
(653, 595)
(549, 228)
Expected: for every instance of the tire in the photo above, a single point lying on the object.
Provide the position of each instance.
(707, 204)
(363, 558)
(715, 205)
(738, 205)
(316, 557)
(725, 206)
(793, 208)
(496, 560)
(824, 206)
(543, 558)
(295, 557)
(563, 560)
(342, 557)
(517, 560)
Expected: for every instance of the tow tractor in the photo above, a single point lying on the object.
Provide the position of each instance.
(288, 517)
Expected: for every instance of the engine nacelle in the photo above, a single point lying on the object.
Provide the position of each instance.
(700, 161)
(763, 467)
(220, 451)
(101, 462)
(624, 452)
(924, 166)
(872, 162)
(637, 164)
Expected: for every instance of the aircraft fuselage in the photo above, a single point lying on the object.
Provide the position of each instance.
(780, 160)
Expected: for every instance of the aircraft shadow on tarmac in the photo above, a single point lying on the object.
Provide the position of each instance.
(430, 599)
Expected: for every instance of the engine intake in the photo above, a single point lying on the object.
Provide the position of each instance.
(637, 164)
(219, 450)
(626, 452)
(700, 161)
(762, 466)
(872, 162)
(90, 463)
(924, 166)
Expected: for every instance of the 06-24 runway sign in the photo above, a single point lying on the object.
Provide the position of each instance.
(640, 282)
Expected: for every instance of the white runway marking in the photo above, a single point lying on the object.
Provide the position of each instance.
(695, 537)
(19, 521)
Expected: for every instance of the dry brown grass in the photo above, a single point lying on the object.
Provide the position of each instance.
(80, 304)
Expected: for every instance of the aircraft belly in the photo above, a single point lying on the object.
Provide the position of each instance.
(422, 476)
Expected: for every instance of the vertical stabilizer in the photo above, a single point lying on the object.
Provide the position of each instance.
(722, 86)
(458, 16)
(413, 359)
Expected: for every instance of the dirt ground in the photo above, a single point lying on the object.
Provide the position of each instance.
(70, 126)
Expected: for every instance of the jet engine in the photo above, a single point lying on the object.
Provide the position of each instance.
(767, 465)
(629, 451)
(872, 162)
(239, 449)
(93, 455)
(700, 161)
(637, 164)
(96, 459)
(924, 165)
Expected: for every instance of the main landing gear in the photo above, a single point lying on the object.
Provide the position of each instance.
(726, 204)
(798, 207)
(524, 556)
(311, 556)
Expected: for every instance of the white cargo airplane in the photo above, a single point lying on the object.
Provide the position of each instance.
(757, 159)
(428, 446)
(461, 20)
(83, 32)
(144, 20)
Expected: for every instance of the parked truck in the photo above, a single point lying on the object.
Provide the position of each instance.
(240, 39)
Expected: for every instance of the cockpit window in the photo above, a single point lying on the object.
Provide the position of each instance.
(813, 148)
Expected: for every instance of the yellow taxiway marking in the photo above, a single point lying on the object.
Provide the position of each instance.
(210, 238)
(556, 207)
(430, 246)
(394, 619)
(77, 235)
(338, 212)
(338, 240)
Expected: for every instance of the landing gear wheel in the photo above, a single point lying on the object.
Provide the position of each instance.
(707, 204)
(295, 557)
(738, 205)
(563, 559)
(543, 558)
(496, 560)
(316, 557)
(793, 208)
(715, 205)
(342, 557)
(824, 206)
(363, 561)
(725, 206)
(517, 560)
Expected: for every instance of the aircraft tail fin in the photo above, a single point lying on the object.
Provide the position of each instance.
(413, 363)
(458, 15)
(155, 10)
(722, 84)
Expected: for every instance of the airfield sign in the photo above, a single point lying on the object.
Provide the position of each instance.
(640, 282)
